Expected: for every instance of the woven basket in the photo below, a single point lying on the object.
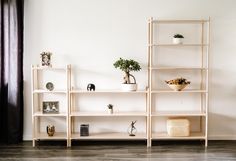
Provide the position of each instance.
(177, 87)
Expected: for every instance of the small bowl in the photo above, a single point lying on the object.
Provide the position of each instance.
(177, 87)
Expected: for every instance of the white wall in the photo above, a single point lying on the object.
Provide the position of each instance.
(92, 34)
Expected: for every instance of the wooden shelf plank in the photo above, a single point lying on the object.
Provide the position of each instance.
(109, 136)
(109, 115)
(180, 21)
(164, 135)
(48, 68)
(179, 45)
(108, 91)
(49, 114)
(46, 91)
(56, 136)
(183, 91)
(177, 68)
(178, 113)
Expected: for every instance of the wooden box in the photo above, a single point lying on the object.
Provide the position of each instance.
(177, 127)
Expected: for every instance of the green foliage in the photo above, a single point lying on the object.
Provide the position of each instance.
(178, 36)
(127, 65)
(110, 106)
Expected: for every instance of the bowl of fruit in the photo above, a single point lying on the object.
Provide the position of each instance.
(177, 84)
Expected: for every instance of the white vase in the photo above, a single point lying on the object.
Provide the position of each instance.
(129, 87)
(177, 40)
(110, 110)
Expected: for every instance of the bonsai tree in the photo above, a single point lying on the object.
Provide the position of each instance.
(127, 66)
(178, 36)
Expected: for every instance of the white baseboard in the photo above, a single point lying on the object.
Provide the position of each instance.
(222, 137)
(27, 137)
(211, 137)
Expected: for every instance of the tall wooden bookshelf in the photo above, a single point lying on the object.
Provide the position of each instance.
(155, 47)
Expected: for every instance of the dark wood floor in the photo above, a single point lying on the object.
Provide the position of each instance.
(120, 151)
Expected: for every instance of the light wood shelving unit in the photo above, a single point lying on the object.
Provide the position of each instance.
(74, 113)
(203, 46)
(149, 112)
(37, 109)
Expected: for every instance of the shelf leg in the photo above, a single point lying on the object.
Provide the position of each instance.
(69, 143)
(149, 143)
(206, 142)
(33, 142)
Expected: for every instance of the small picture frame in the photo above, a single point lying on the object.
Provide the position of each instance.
(50, 107)
(46, 59)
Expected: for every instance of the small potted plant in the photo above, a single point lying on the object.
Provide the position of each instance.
(177, 84)
(127, 66)
(178, 39)
(110, 108)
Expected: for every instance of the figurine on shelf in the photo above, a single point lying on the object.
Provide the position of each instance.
(132, 129)
(91, 87)
(50, 130)
(46, 59)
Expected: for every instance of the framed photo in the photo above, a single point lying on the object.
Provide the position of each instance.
(50, 107)
(46, 59)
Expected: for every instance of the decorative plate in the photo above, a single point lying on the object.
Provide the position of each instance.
(50, 86)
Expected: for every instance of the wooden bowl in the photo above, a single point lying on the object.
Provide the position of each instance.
(177, 87)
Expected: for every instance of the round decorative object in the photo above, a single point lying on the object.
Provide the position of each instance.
(50, 86)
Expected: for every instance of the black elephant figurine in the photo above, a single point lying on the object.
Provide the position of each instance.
(91, 87)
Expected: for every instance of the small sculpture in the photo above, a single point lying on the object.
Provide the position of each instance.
(91, 87)
(50, 130)
(46, 59)
(132, 129)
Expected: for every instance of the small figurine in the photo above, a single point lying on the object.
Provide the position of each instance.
(46, 59)
(91, 87)
(132, 129)
(50, 130)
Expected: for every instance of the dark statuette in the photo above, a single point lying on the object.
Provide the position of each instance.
(91, 87)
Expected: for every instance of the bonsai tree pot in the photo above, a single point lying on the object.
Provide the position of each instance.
(178, 39)
(129, 87)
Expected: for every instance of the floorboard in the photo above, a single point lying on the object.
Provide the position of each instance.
(120, 151)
